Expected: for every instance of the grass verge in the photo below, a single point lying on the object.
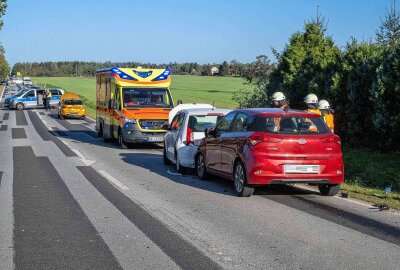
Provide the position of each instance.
(369, 172)
(372, 195)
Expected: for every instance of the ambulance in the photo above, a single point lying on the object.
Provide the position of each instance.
(132, 104)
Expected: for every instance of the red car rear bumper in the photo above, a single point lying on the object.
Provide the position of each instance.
(267, 171)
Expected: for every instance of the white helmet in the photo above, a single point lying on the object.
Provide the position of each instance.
(323, 105)
(311, 98)
(278, 96)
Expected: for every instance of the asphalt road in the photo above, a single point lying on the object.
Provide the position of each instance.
(70, 201)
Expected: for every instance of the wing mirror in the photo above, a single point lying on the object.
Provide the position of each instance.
(179, 102)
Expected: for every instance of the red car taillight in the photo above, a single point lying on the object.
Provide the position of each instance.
(331, 139)
(63, 106)
(259, 137)
(189, 136)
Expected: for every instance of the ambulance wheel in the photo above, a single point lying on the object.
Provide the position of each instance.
(121, 141)
(100, 131)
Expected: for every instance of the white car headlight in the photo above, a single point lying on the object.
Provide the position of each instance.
(129, 120)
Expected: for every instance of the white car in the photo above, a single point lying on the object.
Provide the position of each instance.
(187, 106)
(185, 133)
(27, 81)
(17, 80)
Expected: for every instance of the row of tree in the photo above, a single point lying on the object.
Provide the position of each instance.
(80, 68)
(4, 67)
(361, 80)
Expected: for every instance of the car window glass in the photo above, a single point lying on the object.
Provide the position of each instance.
(240, 123)
(55, 92)
(73, 102)
(198, 123)
(289, 125)
(180, 120)
(117, 99)
(224, 124)
(30, 94)
(174, 123)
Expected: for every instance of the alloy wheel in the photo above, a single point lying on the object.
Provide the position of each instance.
(200, 165)
(239, 178)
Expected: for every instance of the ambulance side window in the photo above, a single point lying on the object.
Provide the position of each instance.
(117, 99)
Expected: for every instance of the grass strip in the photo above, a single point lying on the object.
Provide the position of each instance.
(372, 195)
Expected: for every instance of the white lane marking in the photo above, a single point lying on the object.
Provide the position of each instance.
(90, 118)
(67, 144)
(113, 180)
(87, 162)
(78, 153)
(353, 201)
(173, 173)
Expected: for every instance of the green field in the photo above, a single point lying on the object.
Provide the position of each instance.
(200, 89)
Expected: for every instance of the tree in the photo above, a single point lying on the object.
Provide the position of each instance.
(385, 95)
(3, 7)
(353, 103)
(308, 64)
(4, 67)
(389, 31)
(257, 75)
(236, 68)
(224, 69)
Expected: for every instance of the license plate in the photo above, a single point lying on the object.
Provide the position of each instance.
(307, 169)
(156, 139)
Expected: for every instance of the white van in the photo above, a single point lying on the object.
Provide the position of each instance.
(27, 81)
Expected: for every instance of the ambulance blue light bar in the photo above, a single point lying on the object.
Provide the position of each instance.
(163, 76)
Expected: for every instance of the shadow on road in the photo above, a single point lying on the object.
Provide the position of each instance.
(154, 163)
(75, 131)
(272, 190)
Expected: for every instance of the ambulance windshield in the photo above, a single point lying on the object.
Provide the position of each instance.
(146, 97)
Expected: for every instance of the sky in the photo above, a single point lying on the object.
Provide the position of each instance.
(203, 31)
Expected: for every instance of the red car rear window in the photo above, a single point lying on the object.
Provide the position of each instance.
(289, 125)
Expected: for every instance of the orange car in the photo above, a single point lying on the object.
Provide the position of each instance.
(71, 106)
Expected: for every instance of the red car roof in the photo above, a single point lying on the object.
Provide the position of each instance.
(277, 112)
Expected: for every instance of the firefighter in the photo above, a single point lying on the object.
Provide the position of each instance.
(311, 101)
(279, 101)
(327, 113)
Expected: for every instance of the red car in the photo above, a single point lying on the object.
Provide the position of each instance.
(255, 147)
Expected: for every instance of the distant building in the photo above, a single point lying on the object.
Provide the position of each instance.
(214, 71)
